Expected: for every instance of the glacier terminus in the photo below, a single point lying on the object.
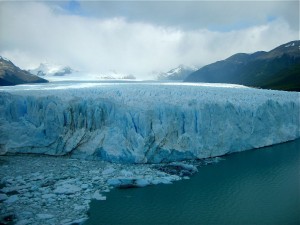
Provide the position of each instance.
(140, 122)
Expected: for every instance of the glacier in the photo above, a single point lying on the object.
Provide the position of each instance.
(140, 122)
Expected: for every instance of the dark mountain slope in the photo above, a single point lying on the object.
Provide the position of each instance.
(12, 75)
(277, 69)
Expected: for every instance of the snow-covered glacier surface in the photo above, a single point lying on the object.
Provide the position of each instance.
(144, 122)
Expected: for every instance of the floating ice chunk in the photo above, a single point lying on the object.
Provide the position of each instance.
(142, 182)
(67, 189)
(98, 196)
(12, 199)
(183, 166)
(44, 216)
(3, 197)
(78, 221)
(108, 171)
(166, 180)
(178, 168)
(23, 222)
(126, 173)
(84, 186)
(79, 207)
(47, 196)
(113, 182)
(128, 182)
(212, 160)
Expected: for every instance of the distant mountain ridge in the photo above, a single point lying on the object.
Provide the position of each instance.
(47, 69)
(55, 72)
(13, 75)
(277, 69)
(178, 73)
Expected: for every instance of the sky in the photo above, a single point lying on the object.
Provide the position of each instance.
(141, 38)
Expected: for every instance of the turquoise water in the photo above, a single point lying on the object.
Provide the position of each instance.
(254, 187)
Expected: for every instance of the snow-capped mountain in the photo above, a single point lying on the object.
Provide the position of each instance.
(47, 69)
(179, 73)
(55, 72)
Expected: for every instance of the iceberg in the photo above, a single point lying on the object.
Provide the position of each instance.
(144, 122)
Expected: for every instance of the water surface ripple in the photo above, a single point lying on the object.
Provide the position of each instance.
(254, 187)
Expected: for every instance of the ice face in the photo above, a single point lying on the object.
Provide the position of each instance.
(144, 122)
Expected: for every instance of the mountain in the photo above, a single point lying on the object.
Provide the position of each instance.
(277, 69)
(13, 75)
(178, 73)
(47, 69)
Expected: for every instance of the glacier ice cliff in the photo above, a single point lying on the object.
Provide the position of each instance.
(144, 123)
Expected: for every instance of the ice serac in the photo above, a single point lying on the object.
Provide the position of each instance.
(145, 123)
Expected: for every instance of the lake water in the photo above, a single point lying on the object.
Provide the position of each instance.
(254, 187)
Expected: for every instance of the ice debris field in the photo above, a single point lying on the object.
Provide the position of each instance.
(57, 190)
(144, 122)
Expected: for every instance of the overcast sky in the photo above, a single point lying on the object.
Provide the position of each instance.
(139, 37)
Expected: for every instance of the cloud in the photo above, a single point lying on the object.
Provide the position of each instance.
(34, 32)
(188, 15)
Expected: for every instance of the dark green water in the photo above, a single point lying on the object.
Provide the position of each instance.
(253, 187)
